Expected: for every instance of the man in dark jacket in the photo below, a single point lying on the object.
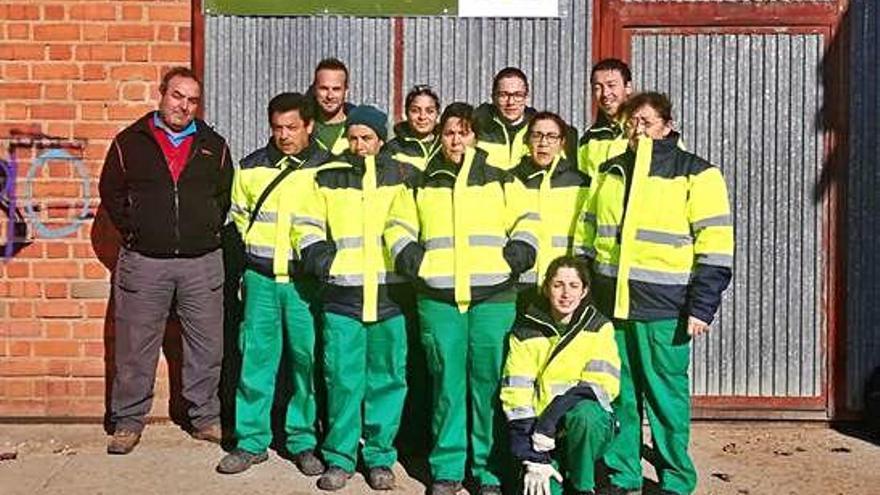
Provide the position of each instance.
(165, 185)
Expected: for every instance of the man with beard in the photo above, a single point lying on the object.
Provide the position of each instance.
(330, 90)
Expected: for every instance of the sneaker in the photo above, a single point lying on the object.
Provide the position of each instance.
(445, 487)
(380, 478)
(490, 490)
(123, 441)
(211, 433)
(334, 478)
(239, 460)
(308, 463)
(616, 490)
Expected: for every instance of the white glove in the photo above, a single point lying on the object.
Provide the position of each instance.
(543, 443)
(536, 480)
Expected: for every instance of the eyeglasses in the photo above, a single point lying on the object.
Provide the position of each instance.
(518, 97)
(550, 137)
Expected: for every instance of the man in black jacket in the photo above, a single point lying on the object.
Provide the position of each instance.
(165, 185)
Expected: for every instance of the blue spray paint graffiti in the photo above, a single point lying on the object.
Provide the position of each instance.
(18, 234)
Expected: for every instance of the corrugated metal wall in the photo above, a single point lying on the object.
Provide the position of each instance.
(250, 59)
(750, 104)
(459, 56)
(863, 194)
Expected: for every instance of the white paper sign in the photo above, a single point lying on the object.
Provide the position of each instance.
(508, 8)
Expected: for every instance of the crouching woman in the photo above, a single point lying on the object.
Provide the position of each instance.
(561, 374)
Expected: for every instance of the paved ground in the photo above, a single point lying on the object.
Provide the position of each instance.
(733, 458)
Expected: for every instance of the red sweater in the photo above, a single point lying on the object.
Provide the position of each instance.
(174, 157)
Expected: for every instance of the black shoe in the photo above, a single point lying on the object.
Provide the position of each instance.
(668, 492)
(334, 478)
(445, 487)
(239, 460)
(616, 490)
(381, 478)
(308, 463)
(490, 490)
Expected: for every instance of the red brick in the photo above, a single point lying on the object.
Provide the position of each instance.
(58, 388)
(18, 388)
(60, 52)
(20, 328)
(96, 309)
(137, 53)
(56, 348)
(57, 329)
(134, 72)
(58, 367)
(88, 329)
(22, 11)
(15, 111)
(21, 309)
(56, 290)
(18, 269)
(53, 111)
(18, 31)
(92, 91)
(58, 129)
(132, 13)
(32, 251)
(106, 53)
(128, 112)
(134, 91)
(60, 91)
(93, 12)
(16, 72)
(94, 72)
(19, 348)
(184, 34)
(94, 32)
(94, 348)
(23, 408)
(88, 130)
(56, 32)
(129, 32)
(166, 32)
(56, 269)
(169, 53)
(94, 388)
(92, 112)
(89, 408)
(53, 12)
(19, 90)
(94, 270)
(55, 71)
(87, 367)
(90, 290)
(180, 13)
(57, 250)
(22, 51)
(22, 367)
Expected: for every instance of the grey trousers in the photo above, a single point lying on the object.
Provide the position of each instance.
(144, 290)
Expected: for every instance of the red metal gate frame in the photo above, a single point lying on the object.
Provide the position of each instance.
(614, 22)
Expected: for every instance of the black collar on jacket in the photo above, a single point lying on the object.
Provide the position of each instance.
(143, 125)
(311, 155)
(583, 317)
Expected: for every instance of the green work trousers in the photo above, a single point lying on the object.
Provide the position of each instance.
(655, 356)
(364, 366)
(275, 315)
(585, 433)
(465, 354)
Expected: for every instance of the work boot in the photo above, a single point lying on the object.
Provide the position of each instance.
(445, 487)
(380, 478)
(490, 490)
(334, 478)
(123, 441)
(239, 460)
(308, 463)
(210, 433)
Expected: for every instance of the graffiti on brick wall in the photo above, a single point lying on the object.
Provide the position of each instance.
(23, 214)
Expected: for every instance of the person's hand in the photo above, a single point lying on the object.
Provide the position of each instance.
(542, 443)
(536, 480)
(696, 326)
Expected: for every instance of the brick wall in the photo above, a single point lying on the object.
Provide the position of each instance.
(80, 71)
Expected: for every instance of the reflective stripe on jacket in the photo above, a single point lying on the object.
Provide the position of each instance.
(465, 232)
(346, 212)
(504, 145)
(267, 243)
(559, 193)
(601, 142)
(659, 231)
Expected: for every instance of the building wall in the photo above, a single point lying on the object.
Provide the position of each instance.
(80, 71)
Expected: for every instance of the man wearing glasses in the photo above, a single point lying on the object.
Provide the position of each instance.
(501, 125)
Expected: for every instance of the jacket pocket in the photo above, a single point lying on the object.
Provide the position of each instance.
(670, 346)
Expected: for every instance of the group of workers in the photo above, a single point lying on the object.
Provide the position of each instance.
(553, 284)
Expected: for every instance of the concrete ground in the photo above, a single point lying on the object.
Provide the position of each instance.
(733, 458)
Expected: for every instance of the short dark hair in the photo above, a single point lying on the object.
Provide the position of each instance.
(178, 71)
(658, 101)
(545, 115)
(566, 262)
(331, 63)
(286, 102)
(509, 72)
(459, 110)
(612, 64)
(421, 90)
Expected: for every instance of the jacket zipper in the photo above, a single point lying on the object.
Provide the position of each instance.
(176, 220)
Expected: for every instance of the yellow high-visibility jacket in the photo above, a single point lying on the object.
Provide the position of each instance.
(407, 148)
(267, 240)
(559, 193)
(659, 232)
(465, 233)
(601, 142)
(504, 144)
(338, 229)
(550, 368)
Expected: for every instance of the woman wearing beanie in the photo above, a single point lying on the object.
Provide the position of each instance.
(464, 236)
